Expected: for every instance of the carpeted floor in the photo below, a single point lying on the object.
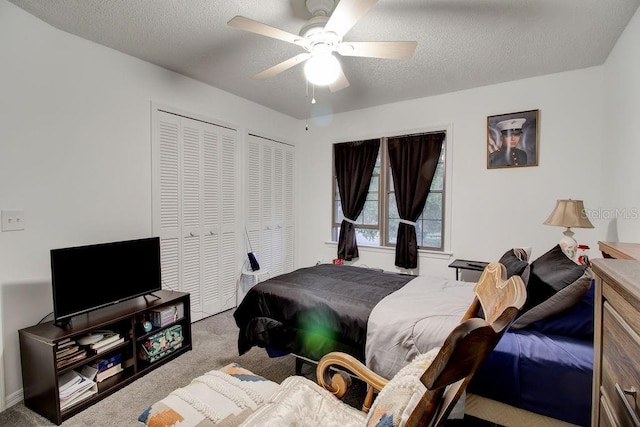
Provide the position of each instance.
(214, 345)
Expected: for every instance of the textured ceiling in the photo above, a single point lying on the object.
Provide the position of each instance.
(461, 43)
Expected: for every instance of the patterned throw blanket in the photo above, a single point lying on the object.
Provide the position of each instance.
(223, 397)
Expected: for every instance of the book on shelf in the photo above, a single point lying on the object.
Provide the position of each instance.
(67, 351)
(109, 346)
(107, 339)
(71, 359)
(80, 396)
(103, 375)
(66, 343)
(166, 315)
(68, 379)
(105, 363)
(89, 372)
(75, 387)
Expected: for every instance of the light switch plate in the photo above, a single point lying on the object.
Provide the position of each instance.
(13, 220)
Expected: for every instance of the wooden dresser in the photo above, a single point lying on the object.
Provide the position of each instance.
(620, 250)
(616, 368)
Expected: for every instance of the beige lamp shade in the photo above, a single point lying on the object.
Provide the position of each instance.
(569, 213)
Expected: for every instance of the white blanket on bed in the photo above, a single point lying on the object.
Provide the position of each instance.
(413, 320)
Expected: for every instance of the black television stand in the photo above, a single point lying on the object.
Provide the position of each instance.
(44, 362)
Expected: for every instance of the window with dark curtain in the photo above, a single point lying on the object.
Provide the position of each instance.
(413, 160)
(354, 163)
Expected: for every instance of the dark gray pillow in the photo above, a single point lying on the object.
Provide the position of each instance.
(515, 261)
(555, 284)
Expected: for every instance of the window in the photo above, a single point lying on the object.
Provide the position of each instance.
(377, 225)
(367, 227)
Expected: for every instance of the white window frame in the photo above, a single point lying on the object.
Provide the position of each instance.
(447, 194)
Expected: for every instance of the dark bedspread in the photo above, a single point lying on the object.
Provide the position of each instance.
(314, 310)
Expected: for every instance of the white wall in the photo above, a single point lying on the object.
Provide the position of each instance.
(492, 210)
(75, 138)
(620, 143)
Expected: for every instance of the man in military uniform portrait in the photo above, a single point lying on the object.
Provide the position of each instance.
(508, 153)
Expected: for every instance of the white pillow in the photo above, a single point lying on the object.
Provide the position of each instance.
(399, 397)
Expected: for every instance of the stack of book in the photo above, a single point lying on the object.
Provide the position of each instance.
(75, 388)
(69, 352)
(166, 315)
(107, 342)
(101, 369)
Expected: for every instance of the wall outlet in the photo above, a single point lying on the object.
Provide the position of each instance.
(318, 261)
(13, 220)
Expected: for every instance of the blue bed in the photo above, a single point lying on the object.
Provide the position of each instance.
(545, 368)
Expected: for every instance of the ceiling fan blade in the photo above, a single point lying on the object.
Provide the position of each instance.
(386, 50)
(340, 83)
(248, 24)
(283, 66)
(346, 14)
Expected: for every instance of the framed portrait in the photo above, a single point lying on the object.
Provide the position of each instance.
(512, 140)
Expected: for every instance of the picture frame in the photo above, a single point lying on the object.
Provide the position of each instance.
(513, 139)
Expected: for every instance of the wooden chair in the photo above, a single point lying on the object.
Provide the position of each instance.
(465, 348)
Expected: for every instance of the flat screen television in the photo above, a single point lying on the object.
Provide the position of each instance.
(85, 278)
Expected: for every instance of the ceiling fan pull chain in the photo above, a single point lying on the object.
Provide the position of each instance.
(306, 124)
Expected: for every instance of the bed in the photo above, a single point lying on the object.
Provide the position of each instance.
(544, 369)
(541, 368)
(312, 311)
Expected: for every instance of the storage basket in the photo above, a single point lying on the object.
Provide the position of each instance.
(161, 343)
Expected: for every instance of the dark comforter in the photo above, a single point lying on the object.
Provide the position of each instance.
(313, 310)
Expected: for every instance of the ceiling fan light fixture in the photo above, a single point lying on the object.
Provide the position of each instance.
(322, 69)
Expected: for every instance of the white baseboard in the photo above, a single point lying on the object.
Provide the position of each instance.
(14, 398)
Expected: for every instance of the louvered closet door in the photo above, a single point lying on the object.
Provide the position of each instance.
(229, 235)
(267, 206)
(253, 198)
(167, 212)
(197, 211)
(270, 203)
(277, 243)
(288, 222)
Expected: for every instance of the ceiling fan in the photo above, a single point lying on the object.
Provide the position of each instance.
(321, 37)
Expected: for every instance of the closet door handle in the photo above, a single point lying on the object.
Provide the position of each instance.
(622, 394)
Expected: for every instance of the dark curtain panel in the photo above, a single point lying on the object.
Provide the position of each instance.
(413, 161)
(354, 163)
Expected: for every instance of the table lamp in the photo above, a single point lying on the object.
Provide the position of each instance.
(569, 213)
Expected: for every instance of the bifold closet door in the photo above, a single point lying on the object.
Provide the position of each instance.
(196, 210)
(270, 203)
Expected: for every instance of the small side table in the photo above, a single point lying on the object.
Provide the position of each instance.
(255, 274)
(464, 264)
(241, 290)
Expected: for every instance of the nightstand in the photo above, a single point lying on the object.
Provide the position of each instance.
(464, 264)
(255, 274)
(248, 279)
